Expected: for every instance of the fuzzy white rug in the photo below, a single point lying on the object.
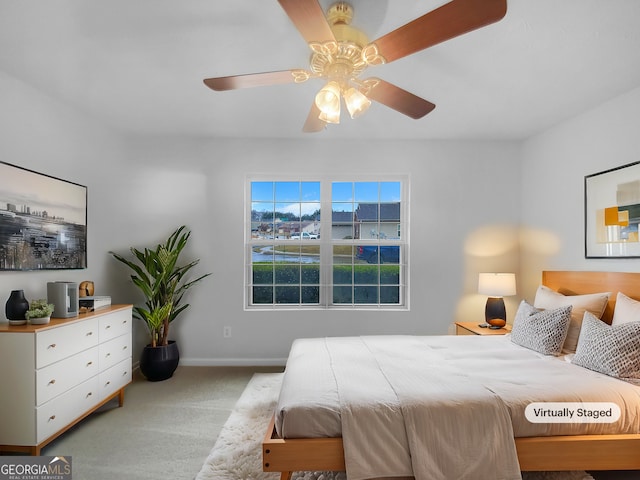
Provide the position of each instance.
(237, 453)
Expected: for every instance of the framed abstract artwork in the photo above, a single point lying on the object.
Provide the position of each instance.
(43, 221)
(612, 212)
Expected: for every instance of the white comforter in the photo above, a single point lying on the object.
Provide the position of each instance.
(444, 407)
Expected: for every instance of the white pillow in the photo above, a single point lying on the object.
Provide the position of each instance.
(610, 349)
(543, 331)
(627, 310)
(594, 303)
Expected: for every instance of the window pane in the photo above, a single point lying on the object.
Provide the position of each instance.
(262, 295)
(365, 294)
(310, 294)
(390, 295)
(389, 192)
(262, 191)
(287, 294)
(310, 274)
(389, 274)
(262, 274)
(342, 295)
(389, 254)
(365, 274)
(366, 191)
(342, 192)
(287, 191)
(309, 254)
(342, 274)
(287, 274)
(310, 192)
(367, 253)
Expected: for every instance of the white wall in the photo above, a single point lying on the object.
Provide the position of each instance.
(464, 211)
(46, 136)
(554, 165)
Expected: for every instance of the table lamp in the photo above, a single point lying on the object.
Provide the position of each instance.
(496, 286)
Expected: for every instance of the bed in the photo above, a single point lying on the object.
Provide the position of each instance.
(595, 448)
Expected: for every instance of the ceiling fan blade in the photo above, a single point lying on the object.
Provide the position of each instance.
(396, 98)
(313, 123)
(251, 80)
(448, 21)
(309, 19)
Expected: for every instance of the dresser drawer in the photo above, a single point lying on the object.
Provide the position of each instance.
(115, 324)
(115, 351)
(61, 376)
(55, 344)
(59, 412)
(115, 378)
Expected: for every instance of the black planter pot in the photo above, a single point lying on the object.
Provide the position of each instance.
(159, 363)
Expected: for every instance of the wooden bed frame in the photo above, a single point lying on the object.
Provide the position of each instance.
(557, 453)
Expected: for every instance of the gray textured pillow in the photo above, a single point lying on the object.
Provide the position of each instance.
(541, 330)
(612, 350)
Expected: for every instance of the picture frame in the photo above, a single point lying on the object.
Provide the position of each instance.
(43, 221)
(612, 212)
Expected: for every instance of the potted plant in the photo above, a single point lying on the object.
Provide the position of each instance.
(39, 312)
(163, 282)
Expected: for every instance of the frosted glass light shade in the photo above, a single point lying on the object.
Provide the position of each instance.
(328, 98)
(357, 102)
(497, 284)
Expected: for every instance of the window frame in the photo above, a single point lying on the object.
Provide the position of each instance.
(326, 243)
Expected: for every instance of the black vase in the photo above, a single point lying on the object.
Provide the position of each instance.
(16, 307)
(159, 363)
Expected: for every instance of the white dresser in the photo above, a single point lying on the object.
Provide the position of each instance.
(54, 375)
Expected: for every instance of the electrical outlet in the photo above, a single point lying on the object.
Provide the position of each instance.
(226, 332)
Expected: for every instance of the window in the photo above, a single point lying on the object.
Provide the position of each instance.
(350, 256)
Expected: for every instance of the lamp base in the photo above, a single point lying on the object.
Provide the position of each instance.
(495, 313)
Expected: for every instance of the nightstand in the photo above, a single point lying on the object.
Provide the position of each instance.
(472, 328)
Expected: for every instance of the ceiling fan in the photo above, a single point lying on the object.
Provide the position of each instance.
(341, 53)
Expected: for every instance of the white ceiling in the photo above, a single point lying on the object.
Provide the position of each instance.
(138, 65)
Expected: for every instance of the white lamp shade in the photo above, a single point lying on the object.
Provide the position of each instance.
(497, 284)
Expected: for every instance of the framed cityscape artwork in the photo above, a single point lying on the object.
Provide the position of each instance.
(612, 212)
(43, 221)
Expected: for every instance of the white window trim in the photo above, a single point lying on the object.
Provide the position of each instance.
(326, 242)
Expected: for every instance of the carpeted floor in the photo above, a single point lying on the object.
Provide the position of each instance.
(165, 430)
(237, 453)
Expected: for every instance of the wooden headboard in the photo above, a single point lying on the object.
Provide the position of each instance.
(579, 283)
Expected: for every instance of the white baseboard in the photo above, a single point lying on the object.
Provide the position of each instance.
(232, 362)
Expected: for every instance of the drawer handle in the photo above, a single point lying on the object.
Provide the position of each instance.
(52, 381)
(52, 417)
(53, 345)
(124, 322)
(124, 348)
(124, 373)
(107, 384)
(108, 355)
(89, 394)
(89, 364)
(108, 327)
(89, 334)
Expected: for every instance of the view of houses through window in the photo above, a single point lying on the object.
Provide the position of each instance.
(335, 243)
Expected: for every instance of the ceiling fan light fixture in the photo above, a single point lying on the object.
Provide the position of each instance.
(356, 101)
